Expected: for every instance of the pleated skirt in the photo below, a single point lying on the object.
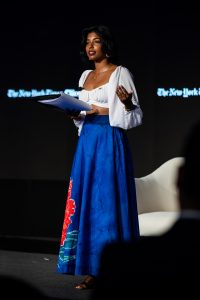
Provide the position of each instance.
(101, 205)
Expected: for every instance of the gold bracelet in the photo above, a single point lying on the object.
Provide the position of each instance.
(129, 109)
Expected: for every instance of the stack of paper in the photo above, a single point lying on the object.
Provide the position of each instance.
(64, 102)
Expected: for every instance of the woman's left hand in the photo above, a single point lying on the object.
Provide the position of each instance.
(125, 97)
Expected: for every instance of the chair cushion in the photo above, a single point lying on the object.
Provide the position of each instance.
(157, 191)
(156, 223)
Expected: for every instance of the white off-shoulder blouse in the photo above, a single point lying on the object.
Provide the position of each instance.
(105, 96)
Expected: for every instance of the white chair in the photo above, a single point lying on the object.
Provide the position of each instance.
(158, 206)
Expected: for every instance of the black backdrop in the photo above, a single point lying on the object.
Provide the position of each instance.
(159, 43)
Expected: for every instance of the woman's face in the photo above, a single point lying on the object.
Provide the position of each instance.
(94, 47)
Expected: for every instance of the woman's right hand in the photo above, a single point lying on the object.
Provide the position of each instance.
(93, 111)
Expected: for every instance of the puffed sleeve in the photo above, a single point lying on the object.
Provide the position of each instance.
(79, 123)
(118, 116)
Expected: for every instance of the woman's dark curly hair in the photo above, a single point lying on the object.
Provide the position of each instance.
(107, 40)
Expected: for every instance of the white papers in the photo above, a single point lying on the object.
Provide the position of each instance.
(64, 102)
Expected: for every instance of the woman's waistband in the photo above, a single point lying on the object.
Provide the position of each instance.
(97, 119)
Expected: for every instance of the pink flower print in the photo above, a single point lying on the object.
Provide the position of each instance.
(69, 212)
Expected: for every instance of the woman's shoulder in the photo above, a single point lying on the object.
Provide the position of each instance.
(83, 77)
(125, 70)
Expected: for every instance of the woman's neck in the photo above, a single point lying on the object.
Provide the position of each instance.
(102, 66)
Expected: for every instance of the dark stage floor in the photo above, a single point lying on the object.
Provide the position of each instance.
(39, 270)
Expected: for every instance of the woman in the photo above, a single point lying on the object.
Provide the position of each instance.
(101, 204)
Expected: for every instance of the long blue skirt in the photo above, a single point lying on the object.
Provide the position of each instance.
(101, 202)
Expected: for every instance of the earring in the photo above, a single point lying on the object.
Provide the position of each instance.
(107, 55)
